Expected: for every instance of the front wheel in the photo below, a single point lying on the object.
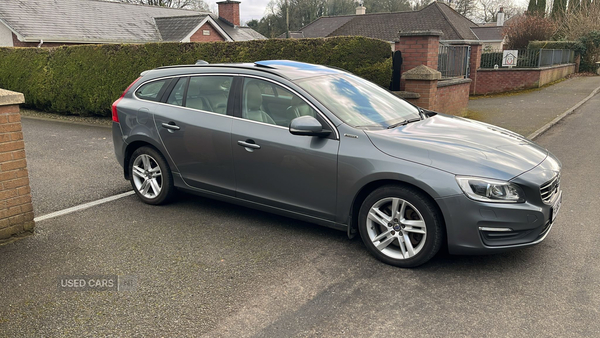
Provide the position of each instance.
(150, 176)
(400, 226)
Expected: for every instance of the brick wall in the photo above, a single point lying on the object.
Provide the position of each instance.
(452, 96)
(16, 210)
(503, 80)
(199, 36)
(427, 91)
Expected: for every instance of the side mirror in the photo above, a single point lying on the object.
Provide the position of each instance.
(308, 126)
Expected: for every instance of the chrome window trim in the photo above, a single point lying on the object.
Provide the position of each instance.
(323, 116)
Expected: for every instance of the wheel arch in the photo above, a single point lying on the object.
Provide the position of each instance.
(366, 189)
(136, 144)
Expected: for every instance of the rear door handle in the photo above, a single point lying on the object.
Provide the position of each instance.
(247, 144)
(171, 126)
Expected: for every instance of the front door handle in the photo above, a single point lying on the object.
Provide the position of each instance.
(171, 126)
(248, 145)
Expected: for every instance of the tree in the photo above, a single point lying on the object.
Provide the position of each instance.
(189, 4)
(387, 6)
(536, 7)
(465, 7)
(574, 5)
(559, 8)
(528, 28)
(487, 10)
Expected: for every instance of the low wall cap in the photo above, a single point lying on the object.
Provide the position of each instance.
(8, 98)
(422, 72)
(421, 33)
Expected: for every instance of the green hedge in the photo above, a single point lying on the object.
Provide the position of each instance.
(85, 80)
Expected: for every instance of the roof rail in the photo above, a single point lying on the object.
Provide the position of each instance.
(252, 66)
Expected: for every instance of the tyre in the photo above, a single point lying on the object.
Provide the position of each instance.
(400, 226)
(150, 176)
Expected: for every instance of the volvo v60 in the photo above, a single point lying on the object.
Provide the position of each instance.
(325, 146)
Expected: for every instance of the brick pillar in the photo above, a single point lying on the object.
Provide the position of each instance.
(418, 48)
(474, 63)
(16, 210)
(423, 80)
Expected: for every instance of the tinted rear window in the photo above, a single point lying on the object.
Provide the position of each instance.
(151, 90)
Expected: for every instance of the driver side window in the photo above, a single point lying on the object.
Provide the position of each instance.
(266, 102)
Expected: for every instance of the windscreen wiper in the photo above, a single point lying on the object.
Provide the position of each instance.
(403, 123)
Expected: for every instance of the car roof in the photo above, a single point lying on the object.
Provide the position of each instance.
(291, 70)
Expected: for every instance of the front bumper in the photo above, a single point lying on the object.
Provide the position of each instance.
(481, 228)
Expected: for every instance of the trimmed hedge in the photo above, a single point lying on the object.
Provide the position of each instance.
(85, 80)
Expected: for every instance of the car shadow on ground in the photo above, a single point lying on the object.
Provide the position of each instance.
(259, 223)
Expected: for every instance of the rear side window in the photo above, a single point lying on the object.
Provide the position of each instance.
(151, 91)
(209, 93)
(176, 97)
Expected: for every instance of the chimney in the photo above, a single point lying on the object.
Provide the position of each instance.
(230, 11)
(360, 10)
(500, 17)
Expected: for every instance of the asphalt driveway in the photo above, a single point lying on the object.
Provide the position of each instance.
(206, 268)
(69, 164)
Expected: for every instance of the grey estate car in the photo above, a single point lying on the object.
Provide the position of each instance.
(325, 146)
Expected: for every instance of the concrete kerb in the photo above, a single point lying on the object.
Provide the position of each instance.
(568, 112)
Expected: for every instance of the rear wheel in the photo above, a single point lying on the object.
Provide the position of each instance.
(400, 226)
(150, 176)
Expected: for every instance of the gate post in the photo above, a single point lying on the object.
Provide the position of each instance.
(418, 48)
(16, 210)
(474, 63)
(423, 80)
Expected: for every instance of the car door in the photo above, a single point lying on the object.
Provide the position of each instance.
(196, 131)
(274, 167)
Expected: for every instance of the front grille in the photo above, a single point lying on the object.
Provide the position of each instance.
(550, 189)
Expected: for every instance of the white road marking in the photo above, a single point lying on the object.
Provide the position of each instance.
(83, 206)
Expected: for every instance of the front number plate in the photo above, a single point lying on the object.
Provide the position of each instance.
(556, 207)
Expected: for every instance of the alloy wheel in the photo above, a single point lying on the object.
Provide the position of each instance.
(147, 176)
(396, 228)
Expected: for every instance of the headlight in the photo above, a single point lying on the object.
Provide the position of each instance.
(488, 190)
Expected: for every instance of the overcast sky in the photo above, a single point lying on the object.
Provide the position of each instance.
(255, 9)
(249, 9)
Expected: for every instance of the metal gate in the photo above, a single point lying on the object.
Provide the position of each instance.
(453, 61)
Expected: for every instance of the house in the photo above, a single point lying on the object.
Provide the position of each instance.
(36, 23)
(491, 34)
(438, 16)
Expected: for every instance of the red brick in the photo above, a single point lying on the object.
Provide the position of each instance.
(22, 173)
(8, 127)
(14, 118)
(16, 136)
(9, 109)
(27, 207)
(12, 165)
(9, 146)
(19, 182)
(18, 200)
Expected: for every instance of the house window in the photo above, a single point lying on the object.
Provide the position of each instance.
(205, 32)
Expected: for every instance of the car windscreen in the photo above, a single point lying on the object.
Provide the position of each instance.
(358, 102)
